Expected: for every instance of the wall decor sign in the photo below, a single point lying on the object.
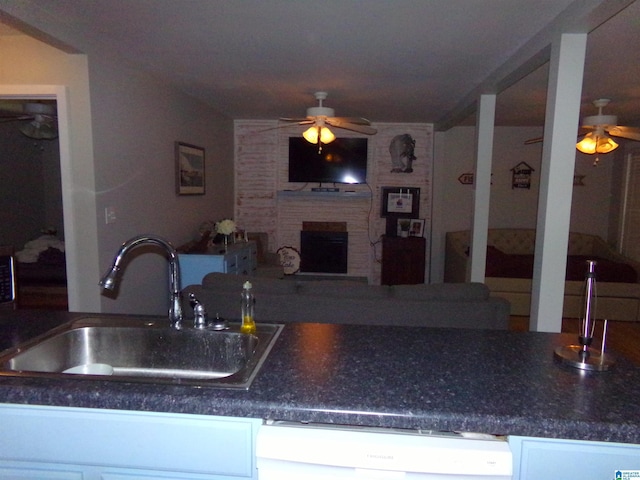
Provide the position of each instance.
(466, 178)
(189, 169)
(400, 202)
(289, 259)
(521, 176)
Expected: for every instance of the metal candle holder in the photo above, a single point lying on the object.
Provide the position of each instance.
(582, 356)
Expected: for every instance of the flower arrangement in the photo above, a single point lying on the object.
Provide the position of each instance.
(226, 226)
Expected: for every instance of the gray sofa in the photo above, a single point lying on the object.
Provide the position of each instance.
(462, 305)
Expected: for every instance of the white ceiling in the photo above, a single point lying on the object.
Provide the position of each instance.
(386, 60)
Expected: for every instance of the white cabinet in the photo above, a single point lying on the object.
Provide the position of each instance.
(38, 442)
(238, 259)
(547, 458)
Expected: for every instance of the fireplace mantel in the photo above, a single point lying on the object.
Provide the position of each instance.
(309, 193)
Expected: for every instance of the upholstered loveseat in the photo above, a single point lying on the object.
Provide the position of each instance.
(510, 266)
(466, 305)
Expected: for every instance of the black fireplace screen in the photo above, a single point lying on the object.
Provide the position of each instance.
(323, 252)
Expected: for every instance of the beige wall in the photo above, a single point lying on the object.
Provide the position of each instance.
(122, 127)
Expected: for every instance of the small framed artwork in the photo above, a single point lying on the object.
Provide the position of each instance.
(189, 169)
(400, 202)
(416, 228)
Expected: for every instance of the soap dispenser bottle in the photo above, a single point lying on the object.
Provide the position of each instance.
(247, 307)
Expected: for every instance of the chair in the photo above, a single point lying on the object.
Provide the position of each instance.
(268, 262)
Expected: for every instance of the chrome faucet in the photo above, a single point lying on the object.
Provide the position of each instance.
(108, 282)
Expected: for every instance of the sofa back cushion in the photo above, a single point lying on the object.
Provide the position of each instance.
(343, 289)
(518, 241)
(441, 291)
(223, 282)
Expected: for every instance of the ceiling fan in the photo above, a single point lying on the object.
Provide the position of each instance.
(599, 129)
(38, 120)
(320, 118)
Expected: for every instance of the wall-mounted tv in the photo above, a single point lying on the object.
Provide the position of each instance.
(342, 161)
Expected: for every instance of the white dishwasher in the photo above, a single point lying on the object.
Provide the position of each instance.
(291, 451)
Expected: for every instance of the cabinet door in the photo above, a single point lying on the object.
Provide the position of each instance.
(124, 442)
(30, 472)
(546, 458)
(231, 263)
(247, 260)
(403, 260)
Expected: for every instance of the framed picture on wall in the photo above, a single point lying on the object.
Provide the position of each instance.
(416, 227)
(189, 169)
(400, 202)
(410, 227)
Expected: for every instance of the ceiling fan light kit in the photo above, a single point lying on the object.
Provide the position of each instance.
(313, 134)
(595, 142)
(599, 140)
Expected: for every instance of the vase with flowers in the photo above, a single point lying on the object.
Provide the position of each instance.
(226, 227)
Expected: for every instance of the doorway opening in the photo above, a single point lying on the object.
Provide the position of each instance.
(31, 209)
(46, 280)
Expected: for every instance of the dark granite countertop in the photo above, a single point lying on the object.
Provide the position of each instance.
(485, 381)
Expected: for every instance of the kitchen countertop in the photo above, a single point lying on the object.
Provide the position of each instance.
(497, 382)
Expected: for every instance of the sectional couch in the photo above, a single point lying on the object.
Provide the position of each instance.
(466, 305)
(509, 270)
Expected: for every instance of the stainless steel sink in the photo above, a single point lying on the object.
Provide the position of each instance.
(144, 350)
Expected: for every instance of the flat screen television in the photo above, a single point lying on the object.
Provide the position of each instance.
(342, 161)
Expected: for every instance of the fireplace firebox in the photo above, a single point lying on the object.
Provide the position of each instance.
(323, 251)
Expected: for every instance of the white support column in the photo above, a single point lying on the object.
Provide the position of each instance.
(556, 182)
(482, 182)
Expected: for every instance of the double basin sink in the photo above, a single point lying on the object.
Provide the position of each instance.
(146, 350)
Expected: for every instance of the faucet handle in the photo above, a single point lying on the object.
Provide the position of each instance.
(200, 313)
(201, 319)
(193, 301)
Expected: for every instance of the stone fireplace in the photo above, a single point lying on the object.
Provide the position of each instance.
(324, 247)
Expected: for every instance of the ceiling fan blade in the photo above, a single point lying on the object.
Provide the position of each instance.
(13, 118)
(354, 120)
(625, 132)
(297, 120)
(336, 122)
